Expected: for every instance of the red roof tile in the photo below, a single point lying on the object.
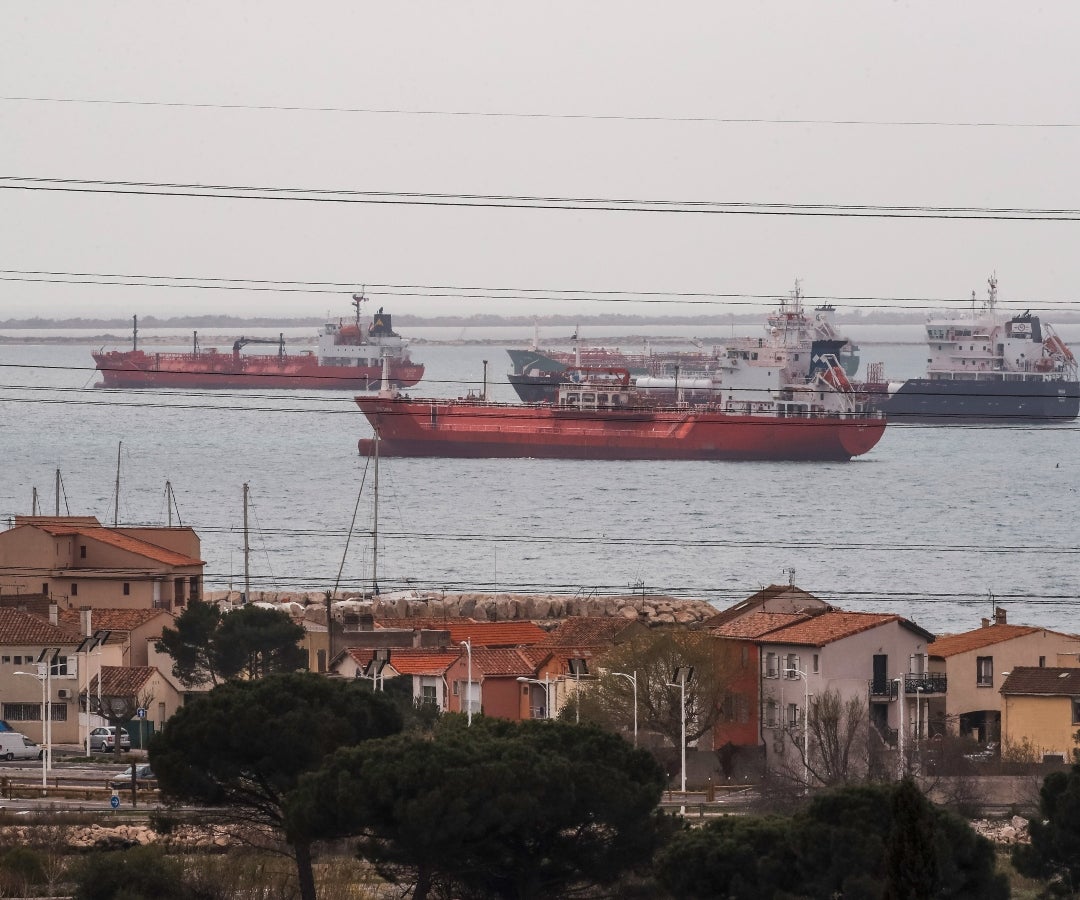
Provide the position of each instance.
(498, 634)
(756, 625)
(1042, 681)
(951, 644)
(113, 619)
(22, 629)
(502, 663)
(121, 681)
(793, 594)
(816, 631)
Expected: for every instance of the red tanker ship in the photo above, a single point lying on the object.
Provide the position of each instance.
(598, 415)
(347, 359)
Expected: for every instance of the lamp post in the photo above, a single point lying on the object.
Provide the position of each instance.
(633, 680)
(89, 643)
(467, 644)
(682, 675)
(899, 682)
(44, 733)
(797, 673)
(546, 685)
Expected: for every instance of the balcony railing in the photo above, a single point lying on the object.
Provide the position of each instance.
(883, 689)
(936, 683)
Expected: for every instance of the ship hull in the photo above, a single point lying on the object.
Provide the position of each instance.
(972, 401)
(219, 371)
(478, 430)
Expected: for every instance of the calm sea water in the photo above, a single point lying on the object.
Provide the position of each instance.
(929, 524)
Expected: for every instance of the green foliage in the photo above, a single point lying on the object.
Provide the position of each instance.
(501, 809)
(207, 646)
(730, 857)
(21, 867)
(1054, 851)
(246, 744)
(189, 644)
(254, 642)
(141, 873)
(871, 842)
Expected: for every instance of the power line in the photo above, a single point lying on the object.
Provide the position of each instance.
(510, 201)
(600, 117)
(472, 292)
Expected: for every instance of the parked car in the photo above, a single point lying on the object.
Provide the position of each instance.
(103, 739)
(145, 779)
(18, 746)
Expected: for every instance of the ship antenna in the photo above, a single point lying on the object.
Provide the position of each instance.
(991, 294)
(357, 301)
(790, 572)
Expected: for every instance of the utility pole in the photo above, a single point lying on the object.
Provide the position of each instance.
(247, 570)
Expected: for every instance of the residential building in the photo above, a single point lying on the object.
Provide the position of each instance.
(776, 598)
(24, 640)
(426, 668)
(493, 676)
(76, 561)
(135, 630)
(976, 663)
(1040, 712)
(877, 659)
(140, 697)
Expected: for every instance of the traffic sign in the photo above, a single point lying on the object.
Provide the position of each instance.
(114, 802)
(141, 712)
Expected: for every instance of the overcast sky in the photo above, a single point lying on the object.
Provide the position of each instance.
(618, 100)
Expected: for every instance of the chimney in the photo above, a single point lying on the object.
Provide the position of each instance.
(985, 623)
(54, 614)
(84, 621)
(999, 616)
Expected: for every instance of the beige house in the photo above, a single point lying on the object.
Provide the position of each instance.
(878, 659)
(139, 696)
(76, 561)
(66, 663)
(1040, 712)
(976, 663)
(135, 630)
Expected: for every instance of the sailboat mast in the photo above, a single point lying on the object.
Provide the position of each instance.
(34, 503)
(247, 570)
(58, 493)
(169, 500)
(116, 501)
(375, 524)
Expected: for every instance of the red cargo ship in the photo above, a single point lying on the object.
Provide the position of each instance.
(600, 416)
(347, 359)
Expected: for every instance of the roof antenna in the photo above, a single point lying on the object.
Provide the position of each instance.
(993, 607)
(790, 572)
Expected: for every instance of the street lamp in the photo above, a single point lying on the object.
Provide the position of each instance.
(578, 667)
(682, 675)
(546, 685)
(89, 643)
(900, 697)
(797, 673)
(467, 644)
(633, 680)
(42, 677)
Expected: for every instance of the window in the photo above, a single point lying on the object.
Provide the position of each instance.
(59, 666)
(1076, 712)
(917, 664)
(6, 660)
(429, 695)
(1042, 662)
(791, 666)
(22, 712)
(82, 551)
(74, 590)
(984, 671)
(45, 588)
(18, 660)
(456, 690)
(770, 713)
(793, 714)
(772, 665)
(58, 711)
(816, 669)
(127, 588)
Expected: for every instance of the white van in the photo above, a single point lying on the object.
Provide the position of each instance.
(18, 746)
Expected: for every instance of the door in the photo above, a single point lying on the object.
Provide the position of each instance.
(881, 673)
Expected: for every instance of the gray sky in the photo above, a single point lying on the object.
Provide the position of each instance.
(592, 101)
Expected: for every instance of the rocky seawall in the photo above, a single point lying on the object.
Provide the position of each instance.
(540, 608)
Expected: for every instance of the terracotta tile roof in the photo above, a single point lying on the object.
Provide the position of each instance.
(816, 631)
(425, 662)
(756, 624)
(587, 631)
(498, 634)
(113, 619)
(794, 594)
(26, 629)
(502, 663)
(122, 681)
(120, 541)
(951, 644)
(1042, 681)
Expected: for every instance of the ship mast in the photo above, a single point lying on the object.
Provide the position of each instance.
(116, 497)
(357, 301)
(375, 523)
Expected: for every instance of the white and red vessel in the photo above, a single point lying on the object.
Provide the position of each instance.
(348, 358)
(598, 414)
